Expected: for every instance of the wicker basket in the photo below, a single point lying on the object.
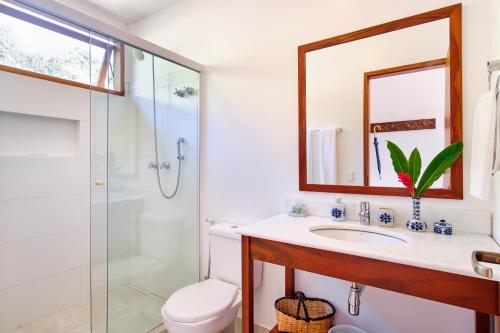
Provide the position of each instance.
(299, 314)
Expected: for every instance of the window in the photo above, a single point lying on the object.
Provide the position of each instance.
(37, 45)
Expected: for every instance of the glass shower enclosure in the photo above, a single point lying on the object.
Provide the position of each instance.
(99, 176)
(144, 190)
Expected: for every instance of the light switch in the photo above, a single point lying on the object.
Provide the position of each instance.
(351, 175)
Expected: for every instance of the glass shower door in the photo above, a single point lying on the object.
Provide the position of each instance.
(152, 228)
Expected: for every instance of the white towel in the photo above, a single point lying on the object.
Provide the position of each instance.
(328, 166)
(483, 146)
(322, 156)
(496, 154)
(313, 157)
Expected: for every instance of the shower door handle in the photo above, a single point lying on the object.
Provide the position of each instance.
(99, 183)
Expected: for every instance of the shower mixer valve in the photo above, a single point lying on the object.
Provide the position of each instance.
(163, 165)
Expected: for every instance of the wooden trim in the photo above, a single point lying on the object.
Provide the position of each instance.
(121, 51)
(289, 281)
(483, 322)
(454, 13)
(247, 285)
(407, 22)
(472, 293)
(103, 72)
(405, 125)
(366, 129)
(303, 185)
(455, 63)
(405, 69)
(59, 80)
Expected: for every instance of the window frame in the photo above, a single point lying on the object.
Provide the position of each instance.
(109, 51)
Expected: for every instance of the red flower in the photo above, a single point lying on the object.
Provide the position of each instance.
(405, 179)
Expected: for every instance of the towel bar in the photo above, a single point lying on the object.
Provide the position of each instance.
(489, 257)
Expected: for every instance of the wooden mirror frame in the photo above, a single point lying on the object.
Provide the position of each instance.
(454, 14)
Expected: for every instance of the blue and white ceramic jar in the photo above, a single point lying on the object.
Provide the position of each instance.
(385, 217)
(443, 228)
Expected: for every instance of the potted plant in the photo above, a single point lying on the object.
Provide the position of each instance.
(408, 171)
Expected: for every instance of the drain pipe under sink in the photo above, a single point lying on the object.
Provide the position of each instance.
(354, 299)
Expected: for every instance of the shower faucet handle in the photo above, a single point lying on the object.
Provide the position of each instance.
(210, 221)
(165, 165)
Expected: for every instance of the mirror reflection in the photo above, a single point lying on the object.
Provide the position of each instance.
(394, 86)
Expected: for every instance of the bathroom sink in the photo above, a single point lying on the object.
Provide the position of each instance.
(360, 234)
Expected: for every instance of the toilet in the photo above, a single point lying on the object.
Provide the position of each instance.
(212, 305)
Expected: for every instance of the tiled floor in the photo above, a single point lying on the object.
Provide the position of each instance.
(131, 311)
(77, 320)
(72, 320)
(236, 328)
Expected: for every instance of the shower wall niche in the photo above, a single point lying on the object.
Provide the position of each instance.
(29, 135)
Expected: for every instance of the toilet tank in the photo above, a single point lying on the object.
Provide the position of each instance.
(225, 255)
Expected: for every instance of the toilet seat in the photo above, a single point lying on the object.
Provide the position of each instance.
(200, 301)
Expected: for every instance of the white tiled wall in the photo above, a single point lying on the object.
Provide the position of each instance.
(44, 200)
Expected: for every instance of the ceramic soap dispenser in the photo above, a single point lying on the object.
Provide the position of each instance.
(337, 212)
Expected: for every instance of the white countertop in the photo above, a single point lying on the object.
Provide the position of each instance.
(427, 250)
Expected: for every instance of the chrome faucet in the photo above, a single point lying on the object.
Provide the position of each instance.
(364, 213)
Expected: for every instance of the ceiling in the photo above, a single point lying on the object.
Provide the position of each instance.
(129, 11)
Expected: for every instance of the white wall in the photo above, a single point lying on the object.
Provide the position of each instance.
(90, 9)
(249, 124)
(44, 199)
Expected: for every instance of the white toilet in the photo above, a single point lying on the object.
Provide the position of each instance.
(212, 305)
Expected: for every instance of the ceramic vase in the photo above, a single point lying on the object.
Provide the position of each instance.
(415, 224)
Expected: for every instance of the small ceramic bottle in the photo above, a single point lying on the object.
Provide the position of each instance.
(337, 213)
(385, 217)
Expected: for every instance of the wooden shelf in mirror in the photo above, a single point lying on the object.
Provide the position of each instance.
(453, 189)
(405, 125)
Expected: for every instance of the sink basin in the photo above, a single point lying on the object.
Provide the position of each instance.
(364, 235)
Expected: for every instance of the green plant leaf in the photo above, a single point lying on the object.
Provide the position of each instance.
(414, 165)
(399, 160)
(438, 166)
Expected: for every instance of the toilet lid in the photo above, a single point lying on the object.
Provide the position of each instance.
(200, 301)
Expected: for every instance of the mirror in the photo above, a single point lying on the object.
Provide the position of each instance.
(399, 81)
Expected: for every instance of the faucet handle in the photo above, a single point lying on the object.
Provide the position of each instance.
(364, 213)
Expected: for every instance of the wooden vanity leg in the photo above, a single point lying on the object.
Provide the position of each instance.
(484, 323)
(247, 285)
(289, 281)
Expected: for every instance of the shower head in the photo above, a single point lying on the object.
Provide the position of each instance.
(138, 54)
(185, 91)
